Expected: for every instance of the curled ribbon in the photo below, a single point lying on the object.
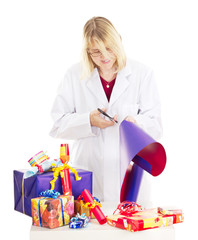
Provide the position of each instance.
(79, 221)
(40, 168)
(90, 205)
(128, 208)
(58, 170)
(50, 194)
(74, 171)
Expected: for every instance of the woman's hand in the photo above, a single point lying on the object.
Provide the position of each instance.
(97, 121)
(130, 119)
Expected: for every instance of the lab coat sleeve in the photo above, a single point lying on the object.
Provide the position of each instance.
(69, 124)
(149, 113)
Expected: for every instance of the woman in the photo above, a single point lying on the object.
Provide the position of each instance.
(123, 88)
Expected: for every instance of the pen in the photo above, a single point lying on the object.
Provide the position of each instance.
(105, 114)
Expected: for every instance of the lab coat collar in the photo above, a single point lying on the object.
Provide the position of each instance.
(121, 84)
(95, 86)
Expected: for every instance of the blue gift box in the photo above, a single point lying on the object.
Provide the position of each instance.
(26, 189)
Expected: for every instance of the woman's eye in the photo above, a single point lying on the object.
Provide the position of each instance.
(108, 49)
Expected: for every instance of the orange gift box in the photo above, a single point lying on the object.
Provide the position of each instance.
(146, 219)
(52, 213)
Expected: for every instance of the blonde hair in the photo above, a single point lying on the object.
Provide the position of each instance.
(102, 31)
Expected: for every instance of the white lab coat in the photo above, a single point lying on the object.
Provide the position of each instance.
(134, 94)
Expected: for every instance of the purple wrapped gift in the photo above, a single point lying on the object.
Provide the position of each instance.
(26, 189)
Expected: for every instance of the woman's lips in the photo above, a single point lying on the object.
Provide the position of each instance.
(106, 61)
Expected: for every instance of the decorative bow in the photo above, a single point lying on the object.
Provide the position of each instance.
(127, 208)
(79, 221)
(57, 170)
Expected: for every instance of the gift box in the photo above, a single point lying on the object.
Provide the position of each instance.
(145, 219)
(81, 207)
(26, 189)
(52, 213)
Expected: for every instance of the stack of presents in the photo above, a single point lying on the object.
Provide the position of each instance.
(54, 194)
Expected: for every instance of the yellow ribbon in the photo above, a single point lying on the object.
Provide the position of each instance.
(90, 205)
(58, 170)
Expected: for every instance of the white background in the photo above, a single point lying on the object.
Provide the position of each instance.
(41, 39)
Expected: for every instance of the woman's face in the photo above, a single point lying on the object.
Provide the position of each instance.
(104, 62)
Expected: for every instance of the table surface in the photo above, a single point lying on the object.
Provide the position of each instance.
(96, 231)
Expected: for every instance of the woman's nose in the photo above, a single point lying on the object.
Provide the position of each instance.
(104, 56)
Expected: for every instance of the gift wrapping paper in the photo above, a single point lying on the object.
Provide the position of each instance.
(52, 213)
(80, 207)
(139, 152)
(26, 189)
(145, 219)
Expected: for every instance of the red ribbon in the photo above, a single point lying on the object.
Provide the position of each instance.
(128, 208)
(40, 168)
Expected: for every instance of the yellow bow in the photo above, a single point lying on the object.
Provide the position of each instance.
(58, 170)
(90, 205)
